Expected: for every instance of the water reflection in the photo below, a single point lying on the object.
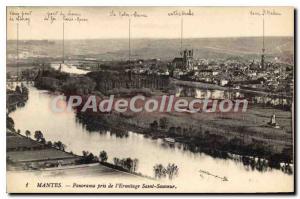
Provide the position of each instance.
(200, 145)
(206, 93)
(276, 101)
(68, 68)
(79, 134)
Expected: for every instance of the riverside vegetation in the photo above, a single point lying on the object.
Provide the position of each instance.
(254, 143)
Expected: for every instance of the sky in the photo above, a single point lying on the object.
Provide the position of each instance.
(149, 22)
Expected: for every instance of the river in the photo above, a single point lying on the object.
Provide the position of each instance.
(37, 115)
(68, 68)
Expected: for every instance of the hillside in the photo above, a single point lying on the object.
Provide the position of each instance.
(165, 49)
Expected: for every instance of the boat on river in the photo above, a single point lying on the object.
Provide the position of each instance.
(170, 140)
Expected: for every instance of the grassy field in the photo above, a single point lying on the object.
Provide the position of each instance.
(53, 162)
(21, 149)
(16, 142)
(85, 171)
(38, 155)
(250, 127)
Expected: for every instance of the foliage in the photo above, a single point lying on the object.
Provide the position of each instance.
(172, 170)
(161, 172)
(88, 158)
(43, 140)
(127, 163)
(59, 145)
(154, 125)
(18, 89)
(163, 123)
(49, 143)
(103, 156)
(10, 123)
(38, 135)
(27, 133)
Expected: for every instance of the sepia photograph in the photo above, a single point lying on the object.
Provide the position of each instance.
(150, 99)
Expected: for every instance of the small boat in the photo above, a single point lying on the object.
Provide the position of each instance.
(170, 140)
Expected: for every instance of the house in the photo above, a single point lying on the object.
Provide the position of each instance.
(223, 82)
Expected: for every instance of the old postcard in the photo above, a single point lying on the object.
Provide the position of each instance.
(150, 100)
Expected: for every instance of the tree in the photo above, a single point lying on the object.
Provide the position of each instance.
(27, 133)
(159, 171)
(103, 156)
(116, 161)
(178, 130)
(134, 165)
(154, 125)
(85, 153)
(172, 170)
(18, 131)
(38, 135)
(49, 143)
(10, 123)
(126, 163)
(18, 89)
(172, 130)
(59, 145)
(43, 140)
(88, 158)
(163, 123)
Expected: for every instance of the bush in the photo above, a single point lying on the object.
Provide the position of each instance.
(103, 156)
(161, 172)
(163, 123)
(127, 163)
(87, 158)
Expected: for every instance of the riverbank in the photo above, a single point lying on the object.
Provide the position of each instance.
(67, 128)
(26, 154)
(209, 133)
(16, 97)
(247, 134)
(23, 153)
(199, 85)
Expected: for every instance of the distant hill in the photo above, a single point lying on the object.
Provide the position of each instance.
(165, 49)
